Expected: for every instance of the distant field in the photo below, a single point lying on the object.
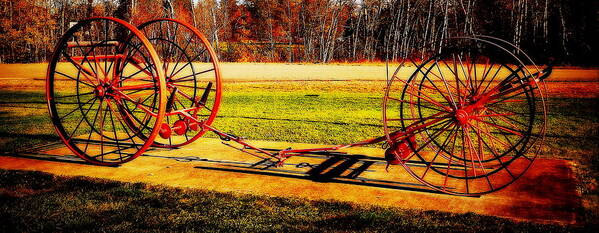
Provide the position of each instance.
(564, 82)
(283, 71)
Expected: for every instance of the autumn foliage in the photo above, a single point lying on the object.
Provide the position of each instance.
(320, 30)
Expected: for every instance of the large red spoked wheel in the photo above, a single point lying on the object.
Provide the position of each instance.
(192, 80)
(100, 67)
(474, 115)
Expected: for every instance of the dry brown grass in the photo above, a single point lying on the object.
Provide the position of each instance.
(565, 82)
(296, 71)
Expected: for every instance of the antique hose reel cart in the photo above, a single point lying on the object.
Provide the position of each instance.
(467, 117)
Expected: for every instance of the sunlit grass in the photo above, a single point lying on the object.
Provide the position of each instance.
(313, 112)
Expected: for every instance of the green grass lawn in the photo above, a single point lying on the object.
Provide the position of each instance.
(312, 112)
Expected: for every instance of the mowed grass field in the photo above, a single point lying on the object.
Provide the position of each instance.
(326, 104)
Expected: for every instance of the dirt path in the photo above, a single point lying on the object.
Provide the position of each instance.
(545, 194)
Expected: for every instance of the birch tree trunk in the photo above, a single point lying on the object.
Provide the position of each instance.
(192, 12)
(168, 9)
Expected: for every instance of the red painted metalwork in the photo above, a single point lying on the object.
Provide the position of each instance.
(454, 126)
(205, 98)
(494, 124)
(91, 80)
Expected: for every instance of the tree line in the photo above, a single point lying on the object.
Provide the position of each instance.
(320, 30)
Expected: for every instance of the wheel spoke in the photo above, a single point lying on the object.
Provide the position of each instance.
(446, 124)
(415, 104)
(77, 108)
(184, 78)
(437, 153)
(495, 154)
(193, 59)
(478, 156)
(125, 128)
(503, 128)
(80, 121)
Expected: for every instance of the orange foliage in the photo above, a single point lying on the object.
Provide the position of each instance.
(146, 10)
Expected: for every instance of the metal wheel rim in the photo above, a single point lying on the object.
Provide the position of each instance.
(538, 140)
(53, 92)
(217, 83)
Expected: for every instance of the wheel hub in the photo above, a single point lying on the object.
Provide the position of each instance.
(103, 91)
(100, 91)
(462, 117)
